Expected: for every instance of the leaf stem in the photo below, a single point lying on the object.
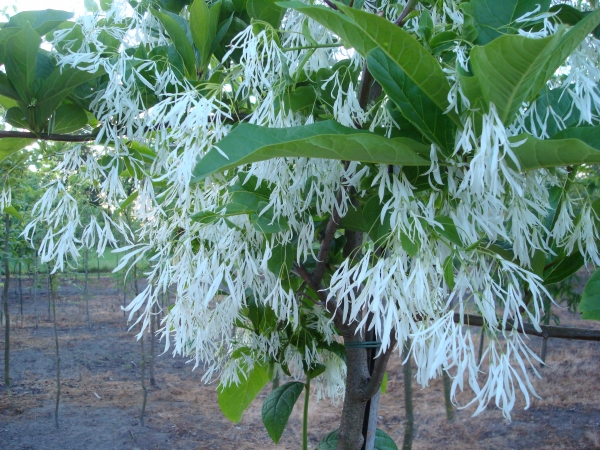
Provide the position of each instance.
(310, 47)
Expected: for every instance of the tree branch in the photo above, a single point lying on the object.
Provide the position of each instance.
(331, 5)
(48, 137)
(548, 331)
(406, 11)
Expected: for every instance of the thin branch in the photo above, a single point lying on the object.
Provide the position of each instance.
(331, 5)
(49, 137)
(406, 11)
(548, 331)
(379, 370)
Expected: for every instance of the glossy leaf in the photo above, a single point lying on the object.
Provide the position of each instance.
(128, 201)
(561, 150)
(282, 258)
(203, 26)
(265, 10)
(56, 88)
(15, 117)
(180, 39)
(365, 31)
(564, 268)
(449, 272)
(382, 441)
(235, 398)
(278, 406)
(41, 21)
(513, 69)
(21, 61)
(251, 143)
(69, 118)
(447, 229)
(8, 146)
(414, 105)
(494, 18)
(590, 300)
(12, 211)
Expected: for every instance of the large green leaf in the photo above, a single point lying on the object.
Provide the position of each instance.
(511, 70)
(235, 398)
(493, 18)
(251, 143)
(564, 267)
(200, 27)
(180, 39)
(278, 406)
(579, 145)
(21, 61)
(382, 441)
(365, 31)
(69, 118)
(8, 146)
(16, 118)
(414, 105)
(12, 211)
(41, 21)
(265, 10)
(56, 88)
(590, 300)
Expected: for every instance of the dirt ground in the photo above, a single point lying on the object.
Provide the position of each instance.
(101, 393)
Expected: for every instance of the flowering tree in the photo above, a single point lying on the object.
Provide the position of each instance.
(321, 181)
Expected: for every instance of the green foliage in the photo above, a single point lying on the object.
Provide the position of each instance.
(382, 441)
(590, 301)
(235, 398)
(278, 406)
(250, 143)
(179, 36)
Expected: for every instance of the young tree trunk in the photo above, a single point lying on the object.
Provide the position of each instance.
(5, 299)
(152, 331)
(48, 288)
(85, 289)
(35, 288)
(447, 397)
(20, 275)
(143, 363)
(409, 420)
(53, 298)
(544, 350)
(98, 265)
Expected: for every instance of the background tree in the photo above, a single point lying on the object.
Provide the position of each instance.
(301, 196)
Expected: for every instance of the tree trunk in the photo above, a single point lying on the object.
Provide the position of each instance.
(409, 420)
(152, 331)
(447, 397)
(53, 297)
(20, 287)
(85, 289)
(5, 298)
(35, 288)
(48, 288)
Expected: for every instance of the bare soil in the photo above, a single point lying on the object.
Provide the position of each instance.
(101, 392)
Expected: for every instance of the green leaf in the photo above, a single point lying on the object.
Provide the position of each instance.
(180, 39)
(579, 145)
(56, 88)
(12, 211)
(235, 399)
(8, 146)
(384, 382)
(365, 31)
(382, 441)
(411, 247)
(249, 143)
(449, 271)
(564, 268)
(21, 61)
(41, 21)
(265, 10)
(282, 258)
(278, 406)
(69, 118)
(414, 105)
(7, 102)
(16, 118)
(203, 28)
(447, 229)
(301, 98)
(265, 223)
(493, 18)
(128, 201)
(513, 69)
(590, 300)
(91, 5)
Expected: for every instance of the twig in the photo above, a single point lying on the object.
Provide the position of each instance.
(49, 137)
(406, 11)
